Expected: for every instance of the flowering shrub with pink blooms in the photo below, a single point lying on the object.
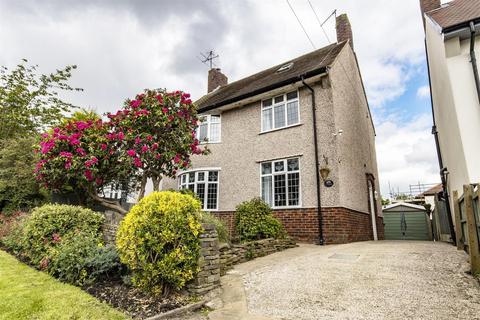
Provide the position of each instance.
(152, 136)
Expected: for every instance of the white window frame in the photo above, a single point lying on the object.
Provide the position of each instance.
(285, 172)
(208, 120)
(272, 107)
(196, 172)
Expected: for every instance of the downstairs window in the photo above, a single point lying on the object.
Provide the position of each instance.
(204, 184)
(280, 182)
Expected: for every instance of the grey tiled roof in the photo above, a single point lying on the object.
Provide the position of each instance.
(264, 81)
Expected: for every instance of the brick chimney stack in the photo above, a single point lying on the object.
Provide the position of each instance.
(215, 79)
(344, 29)
(428, 5)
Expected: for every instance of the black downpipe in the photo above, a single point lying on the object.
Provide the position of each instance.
(321, 240)
(473, 58)
(439, 156)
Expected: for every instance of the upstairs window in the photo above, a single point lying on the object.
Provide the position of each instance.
(209, 129)
(280, 181)
(280, 112)
(205, 186)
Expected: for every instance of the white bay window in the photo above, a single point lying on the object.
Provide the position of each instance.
(280, 182)
(280, 112)
(204, 184)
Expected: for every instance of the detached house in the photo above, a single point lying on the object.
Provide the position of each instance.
(300, 136)
(452, 42)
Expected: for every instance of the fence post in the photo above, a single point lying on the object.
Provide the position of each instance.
(458, 222)
(473, 248)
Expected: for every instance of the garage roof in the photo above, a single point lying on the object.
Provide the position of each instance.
(404, 204)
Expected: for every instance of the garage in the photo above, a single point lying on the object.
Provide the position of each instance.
(405, 221)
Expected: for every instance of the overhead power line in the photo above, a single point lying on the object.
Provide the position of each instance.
(320, 23)
(301, 25)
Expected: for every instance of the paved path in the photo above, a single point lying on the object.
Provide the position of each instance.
(363, 280)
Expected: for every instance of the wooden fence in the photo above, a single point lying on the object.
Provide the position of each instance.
(467, 222)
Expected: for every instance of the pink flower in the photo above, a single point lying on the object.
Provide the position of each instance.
(131, 153)
(103, 146)
(135, 103)
(111, 136)
(164, 110)
(74, 142)
(98, 181)
(62, 137)
(56, 130)
(170, 118)
(88, 175)
(177, 158)
(120, 135)
(137, 162)
(158, 156)
(138, 140)
(56, 238)
(144, 148)
(154, 146)
(81, 125)
(94, 160)
(45, 135)
(66, 154)
(149, 138)
(81, 152)
(68, 165)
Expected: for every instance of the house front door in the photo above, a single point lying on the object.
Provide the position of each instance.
(371, 200)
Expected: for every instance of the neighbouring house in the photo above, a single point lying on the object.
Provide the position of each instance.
(299, 135)
(452, 41)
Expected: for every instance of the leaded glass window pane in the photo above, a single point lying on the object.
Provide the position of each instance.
(292, 113)
(201, 193)
(293, 189)
(266, 168)
(280, 190)
(292, 164)
(212, 196)
(279, 166)
(279, 116)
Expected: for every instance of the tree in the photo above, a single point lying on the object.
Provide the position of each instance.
(151, 137)
(29, 102)
(18, 190)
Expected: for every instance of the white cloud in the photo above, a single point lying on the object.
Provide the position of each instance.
(423, 92)
(122, 47)
(406, 154)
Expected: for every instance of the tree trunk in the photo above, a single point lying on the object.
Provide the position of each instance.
(143, 184)
(156, 183)
(108, 204)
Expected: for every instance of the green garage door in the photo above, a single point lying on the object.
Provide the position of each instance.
(406, 225)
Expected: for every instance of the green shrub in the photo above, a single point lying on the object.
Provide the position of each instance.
(159, 241)
(254, 220)
(82, 259)
(12, 237)
(222, 231)
(50, 224)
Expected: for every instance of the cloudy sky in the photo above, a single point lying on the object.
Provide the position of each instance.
(122, 47)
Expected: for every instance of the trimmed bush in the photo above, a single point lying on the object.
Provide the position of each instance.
(222, 231)
(50, 224)
(159, 241)
(82, 260)
(254, 220)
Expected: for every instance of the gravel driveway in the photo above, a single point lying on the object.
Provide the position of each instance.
(363, 280)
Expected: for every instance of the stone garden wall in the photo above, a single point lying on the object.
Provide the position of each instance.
(216, 259)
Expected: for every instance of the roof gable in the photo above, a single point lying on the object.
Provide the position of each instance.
(403, 204)
(308, 65)
(455, 13)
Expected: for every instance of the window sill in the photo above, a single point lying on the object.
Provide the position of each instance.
(216, 142)
(286, 208)
(282, 128)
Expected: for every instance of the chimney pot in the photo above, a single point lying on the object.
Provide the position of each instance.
(344, 29)
(428, 5)
(215, 79)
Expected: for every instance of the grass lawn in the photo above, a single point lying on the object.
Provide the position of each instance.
(26, 293)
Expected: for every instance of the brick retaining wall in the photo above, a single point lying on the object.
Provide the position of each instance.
(340, 225)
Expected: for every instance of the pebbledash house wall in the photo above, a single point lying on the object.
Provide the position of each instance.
(349, 157)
